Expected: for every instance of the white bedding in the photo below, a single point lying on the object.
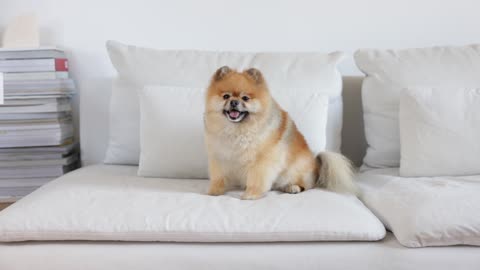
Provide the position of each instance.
(385, 254)
(108, 202)
(425, 211)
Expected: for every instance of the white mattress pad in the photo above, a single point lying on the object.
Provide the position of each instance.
(107, 202)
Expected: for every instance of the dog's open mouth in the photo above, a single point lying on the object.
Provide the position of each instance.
(235, 116)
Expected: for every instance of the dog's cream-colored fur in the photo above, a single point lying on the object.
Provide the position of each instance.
(252, 143)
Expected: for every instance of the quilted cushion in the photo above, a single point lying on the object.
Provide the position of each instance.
(425, 211)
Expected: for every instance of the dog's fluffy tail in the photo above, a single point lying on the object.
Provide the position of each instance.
(336, 173)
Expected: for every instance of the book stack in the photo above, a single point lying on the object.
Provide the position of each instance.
(36, 132)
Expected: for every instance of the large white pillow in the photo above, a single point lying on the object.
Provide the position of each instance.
(172, 132)
(390, 71)
(440, 132)
(109, 202)
(138, 67)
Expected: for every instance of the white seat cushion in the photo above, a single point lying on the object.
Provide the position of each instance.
(424, 211)
(111, 203)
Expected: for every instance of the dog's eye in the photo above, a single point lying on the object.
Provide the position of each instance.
(226, 96)
(245, 98)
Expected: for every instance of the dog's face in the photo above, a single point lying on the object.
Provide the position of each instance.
(237, 96)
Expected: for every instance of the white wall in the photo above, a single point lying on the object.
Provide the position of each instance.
(83, 26)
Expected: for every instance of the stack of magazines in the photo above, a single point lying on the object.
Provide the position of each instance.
(36, 132)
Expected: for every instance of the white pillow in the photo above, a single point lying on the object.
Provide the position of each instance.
(172, 131)
(390, 71)
(138, 67)
(440, 132)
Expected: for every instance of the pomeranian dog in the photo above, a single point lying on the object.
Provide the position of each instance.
(252, 143)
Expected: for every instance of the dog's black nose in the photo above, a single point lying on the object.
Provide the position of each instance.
(234, 103)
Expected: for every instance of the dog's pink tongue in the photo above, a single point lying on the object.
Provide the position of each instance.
(234, 114)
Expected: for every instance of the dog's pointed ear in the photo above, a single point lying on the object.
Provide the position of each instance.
(255, 75)
(221, 73)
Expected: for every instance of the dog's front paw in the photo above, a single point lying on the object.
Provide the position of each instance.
(292, 189)
(250, 196)
(216, 191)
(216, 188)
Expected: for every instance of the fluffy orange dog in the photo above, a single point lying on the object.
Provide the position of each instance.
(252, 142)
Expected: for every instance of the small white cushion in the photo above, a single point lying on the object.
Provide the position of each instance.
(424, 211)
(172, 131)
(138, 67)
(389, 71)
(440, 132)
(107, 202)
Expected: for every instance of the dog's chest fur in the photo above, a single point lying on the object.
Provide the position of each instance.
(236, 148)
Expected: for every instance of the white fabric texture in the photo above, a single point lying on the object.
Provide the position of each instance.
(385, 254)
(389, 71)
(172, 131)
(105, 202)
(138, 67)
(440, 132)
(425, 211)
